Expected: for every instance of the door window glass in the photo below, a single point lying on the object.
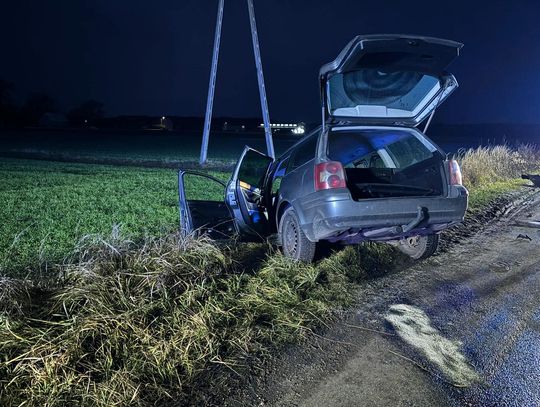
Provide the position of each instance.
(201, 188)
(304, 152)
(253, 168)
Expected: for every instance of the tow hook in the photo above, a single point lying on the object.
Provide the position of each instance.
(420, 216)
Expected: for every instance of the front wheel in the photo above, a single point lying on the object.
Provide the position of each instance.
(419, 247)
(295, 244)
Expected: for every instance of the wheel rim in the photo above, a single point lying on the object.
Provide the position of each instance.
(291, 238)
(413, 241)
(414, 245)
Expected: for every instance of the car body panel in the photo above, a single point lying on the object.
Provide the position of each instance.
(328, 214)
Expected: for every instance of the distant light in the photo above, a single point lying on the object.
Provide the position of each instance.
(162, 117)
(296, 128)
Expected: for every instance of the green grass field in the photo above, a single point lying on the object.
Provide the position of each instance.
(135, 147)
(47, 207)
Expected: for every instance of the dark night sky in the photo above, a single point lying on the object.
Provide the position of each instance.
(141, 57)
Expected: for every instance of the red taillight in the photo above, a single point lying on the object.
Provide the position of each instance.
(455, 173)
(329, 175)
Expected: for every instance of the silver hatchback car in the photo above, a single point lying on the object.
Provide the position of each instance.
(366, 174)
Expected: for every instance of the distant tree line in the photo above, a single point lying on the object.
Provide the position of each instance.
(40, 109)
(37, 105)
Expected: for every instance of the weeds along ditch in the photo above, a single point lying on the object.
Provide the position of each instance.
(152, 319)
(138, 324)
(483, 166)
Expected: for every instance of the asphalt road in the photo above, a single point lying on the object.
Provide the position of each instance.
(462, 328)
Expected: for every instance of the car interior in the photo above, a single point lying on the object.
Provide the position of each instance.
(387, 163)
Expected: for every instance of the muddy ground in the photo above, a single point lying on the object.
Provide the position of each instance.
(461, 328)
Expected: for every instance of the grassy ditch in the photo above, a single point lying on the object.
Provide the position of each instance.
(139, 324)
(147, 321)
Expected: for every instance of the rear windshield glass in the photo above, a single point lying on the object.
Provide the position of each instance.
(392, 148)
(378, 93)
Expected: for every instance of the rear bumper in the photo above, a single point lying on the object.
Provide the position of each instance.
(334, 215)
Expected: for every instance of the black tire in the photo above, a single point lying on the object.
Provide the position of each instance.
(294, 242)
(419, 247)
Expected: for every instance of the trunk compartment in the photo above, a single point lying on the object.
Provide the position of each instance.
(423, 179)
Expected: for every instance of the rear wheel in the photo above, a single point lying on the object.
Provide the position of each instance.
(295, 244)
(419, 247)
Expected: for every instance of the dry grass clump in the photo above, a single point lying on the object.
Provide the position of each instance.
(129, 324)
(138, 324)
(14, 295)
(486, 165)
